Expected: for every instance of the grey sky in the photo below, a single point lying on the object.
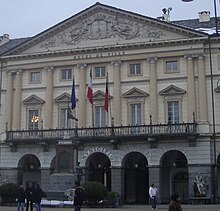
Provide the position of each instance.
(25, 18)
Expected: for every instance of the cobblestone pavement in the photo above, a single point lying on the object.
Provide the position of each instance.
(212, 207)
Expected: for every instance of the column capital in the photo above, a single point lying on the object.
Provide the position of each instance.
(201, 56)
(152, 60)
(49, 68)
(82, 66)
(18, 71)
(14, 71)
(116, 63)
(190, 56)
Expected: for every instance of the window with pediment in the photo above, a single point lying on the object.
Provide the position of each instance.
(66, 74)
(173, 98)
(135, 99)
(100, 115)
(66, 116)
(33, 112)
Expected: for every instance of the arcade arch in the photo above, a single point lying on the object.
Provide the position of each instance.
(28, 170)
(173, 175)
(136, 178)
(98, 168)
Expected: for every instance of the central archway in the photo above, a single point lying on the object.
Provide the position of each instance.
(136, 178)
(173, 176)
(98, 168)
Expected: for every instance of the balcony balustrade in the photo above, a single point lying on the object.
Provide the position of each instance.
(104, 133)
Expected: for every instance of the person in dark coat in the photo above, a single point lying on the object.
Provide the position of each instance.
(29, 192)
(175, 203)
(37, 197)
(21, 198)
(78, 197)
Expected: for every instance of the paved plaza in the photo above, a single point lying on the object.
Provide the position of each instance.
(212, 207)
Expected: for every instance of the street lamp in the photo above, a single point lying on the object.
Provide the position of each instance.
(212, 96)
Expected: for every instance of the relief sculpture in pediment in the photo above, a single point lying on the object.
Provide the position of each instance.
(102, 26)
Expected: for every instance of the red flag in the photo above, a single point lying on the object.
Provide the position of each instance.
(89, 91)
(106, 95)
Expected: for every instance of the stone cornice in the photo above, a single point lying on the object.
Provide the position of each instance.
(100, 49)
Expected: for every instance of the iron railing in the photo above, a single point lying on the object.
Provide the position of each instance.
(103, 132)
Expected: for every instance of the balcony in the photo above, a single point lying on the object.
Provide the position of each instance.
(103, 134)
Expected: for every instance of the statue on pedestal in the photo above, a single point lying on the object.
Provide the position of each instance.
(199, 186)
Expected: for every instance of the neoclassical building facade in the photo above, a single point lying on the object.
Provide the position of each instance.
(162, 124)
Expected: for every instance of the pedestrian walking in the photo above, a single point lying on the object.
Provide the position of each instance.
(78, 197)
(175, 203)
(29, 191)
(153, 196)
(37, 197)
(20, 198)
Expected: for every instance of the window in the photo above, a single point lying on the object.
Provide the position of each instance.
(171, 66)
(35, 77)
(100, 116)
(100, 72)
(135, 115)
(66, 74)
(135, 69)
(33, 119)
(63, 118)
(173, 112)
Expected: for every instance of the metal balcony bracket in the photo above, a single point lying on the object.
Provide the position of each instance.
(45, 146)
(192, 140)
(13, 147)
(152, 141)
(115, 143)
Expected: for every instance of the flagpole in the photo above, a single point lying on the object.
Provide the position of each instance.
(93, 125)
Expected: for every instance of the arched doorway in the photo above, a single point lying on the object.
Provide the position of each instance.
(136, 178)
(173, 176)
(29, 170)
(98, 168)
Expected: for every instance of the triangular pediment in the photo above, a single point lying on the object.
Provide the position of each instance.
(135, 92)
(172, 90)
(103, 25)
(63, 98)
(99, 95)
(33, 99)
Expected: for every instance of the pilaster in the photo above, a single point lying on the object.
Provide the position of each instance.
(9, 100)
(17, 101)
(117, 92)
(49, 97)
(153, 89)
(203, 117)
(82, 95)
(190, 87)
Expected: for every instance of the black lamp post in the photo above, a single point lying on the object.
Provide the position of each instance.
(212, 95)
